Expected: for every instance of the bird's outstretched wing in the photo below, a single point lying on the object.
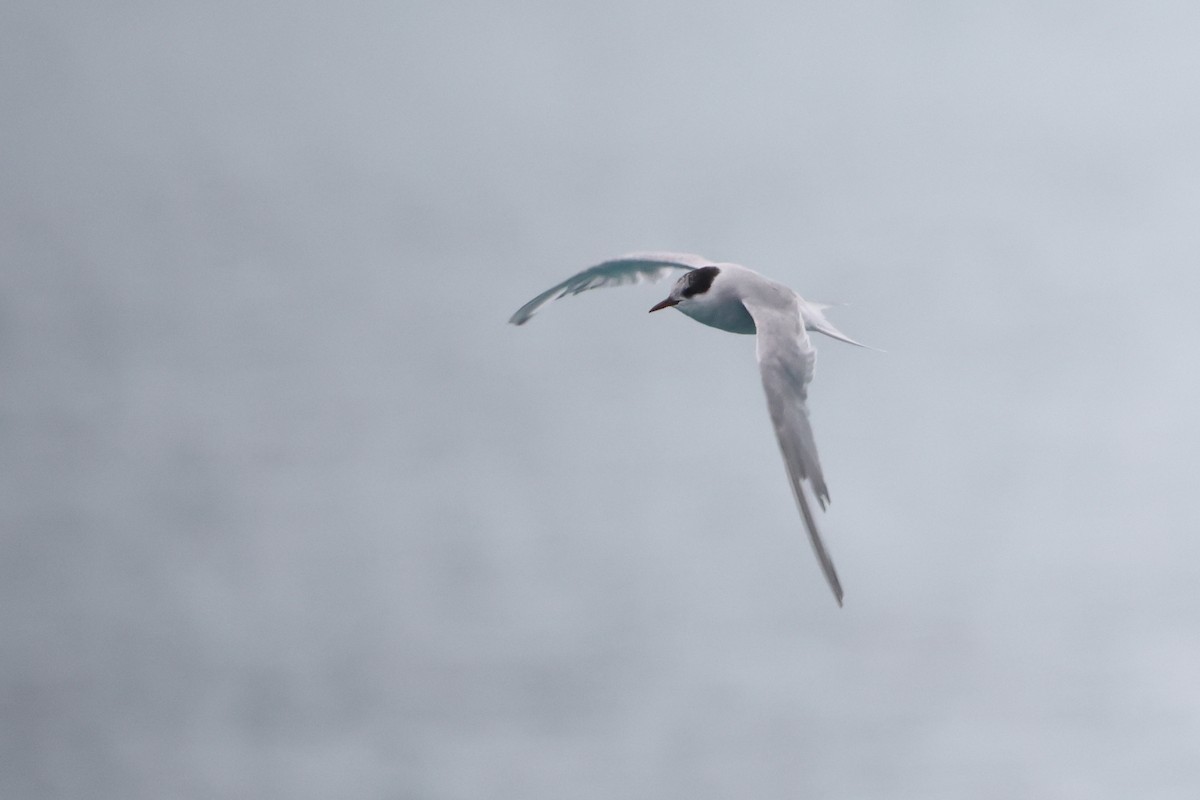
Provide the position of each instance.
(632, 268)
(786, 359)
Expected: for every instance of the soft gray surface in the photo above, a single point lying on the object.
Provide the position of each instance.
(288, 511)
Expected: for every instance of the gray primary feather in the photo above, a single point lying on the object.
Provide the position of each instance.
(632, 268)
(786, 360)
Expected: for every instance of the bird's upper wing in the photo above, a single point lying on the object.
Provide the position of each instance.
(786, 359)
(632, 268)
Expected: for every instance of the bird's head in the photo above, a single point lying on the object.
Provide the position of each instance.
(690, 287)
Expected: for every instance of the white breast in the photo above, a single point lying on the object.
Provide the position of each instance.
(725, 313)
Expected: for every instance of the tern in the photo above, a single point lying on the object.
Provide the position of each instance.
(736, 299)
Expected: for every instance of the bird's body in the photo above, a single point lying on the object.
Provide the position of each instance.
(736, 299)
(722, 306)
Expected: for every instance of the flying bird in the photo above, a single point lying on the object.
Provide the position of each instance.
(736, 299)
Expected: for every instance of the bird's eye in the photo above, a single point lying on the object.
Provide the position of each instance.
(699, 281)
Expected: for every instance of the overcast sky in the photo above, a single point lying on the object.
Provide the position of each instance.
(288, 511)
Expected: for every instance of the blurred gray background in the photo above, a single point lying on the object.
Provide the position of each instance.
(288, 511)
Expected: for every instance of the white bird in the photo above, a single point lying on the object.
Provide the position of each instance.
(735, 299)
